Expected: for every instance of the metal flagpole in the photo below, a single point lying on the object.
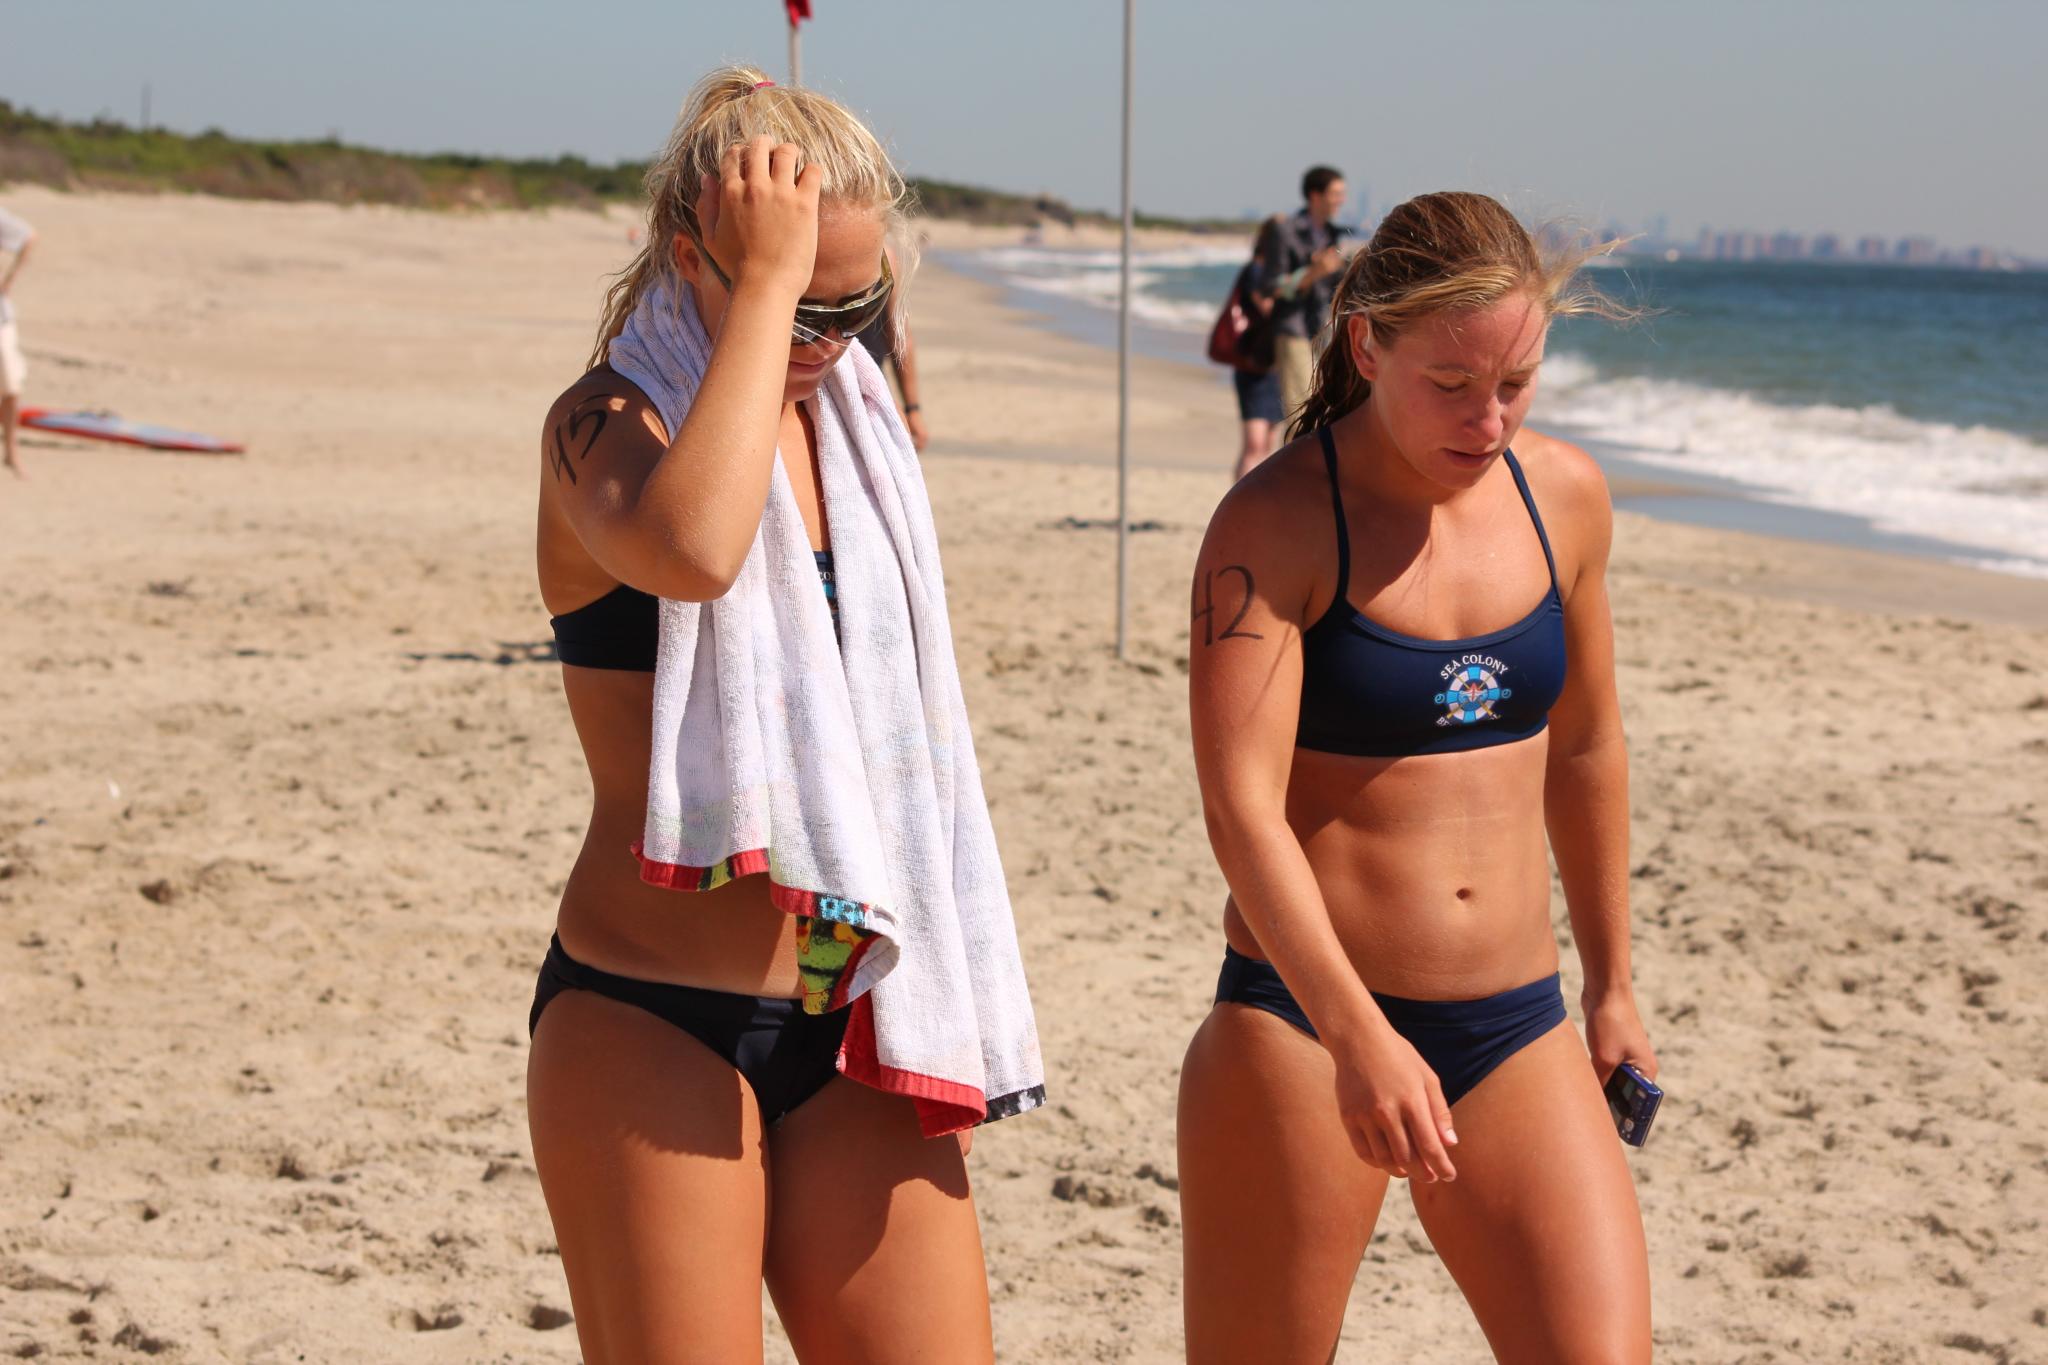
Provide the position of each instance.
(1123, 374)
(798, 10)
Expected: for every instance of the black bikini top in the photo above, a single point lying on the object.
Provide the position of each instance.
(1374, 692)
(620, 629)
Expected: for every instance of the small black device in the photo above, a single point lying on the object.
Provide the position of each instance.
(1633, 1099)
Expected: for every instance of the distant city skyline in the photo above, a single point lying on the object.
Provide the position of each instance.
(1653, 235)
(1834, 247)
(1897, 119)
(1745, 244)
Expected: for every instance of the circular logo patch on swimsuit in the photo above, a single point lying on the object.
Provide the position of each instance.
(1471, 696)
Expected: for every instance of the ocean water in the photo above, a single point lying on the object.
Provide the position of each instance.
(1913, 399)
(1177, 291)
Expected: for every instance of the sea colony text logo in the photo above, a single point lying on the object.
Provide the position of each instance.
(1472, 686)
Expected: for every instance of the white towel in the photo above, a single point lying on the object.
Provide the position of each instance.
(842, 767)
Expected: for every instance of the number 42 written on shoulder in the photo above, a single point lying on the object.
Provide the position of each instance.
(1232, 575)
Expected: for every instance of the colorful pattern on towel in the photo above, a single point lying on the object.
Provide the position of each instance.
(826, 951)
(831, 931)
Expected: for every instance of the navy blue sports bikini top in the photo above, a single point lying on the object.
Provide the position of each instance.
(1374, 692)
(619, 630)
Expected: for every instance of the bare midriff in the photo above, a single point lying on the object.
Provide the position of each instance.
(731, 939)
(1433, 867)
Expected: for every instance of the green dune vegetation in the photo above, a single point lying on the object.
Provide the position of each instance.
(105, 154)
(108, 154)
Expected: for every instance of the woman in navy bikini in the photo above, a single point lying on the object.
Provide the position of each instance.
(1386, 730)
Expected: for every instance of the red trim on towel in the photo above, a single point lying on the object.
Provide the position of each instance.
(942, 1106)
(746, 863)
(679, 877)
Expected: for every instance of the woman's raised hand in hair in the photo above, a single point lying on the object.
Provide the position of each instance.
(760, 216)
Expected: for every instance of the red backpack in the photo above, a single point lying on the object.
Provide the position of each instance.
(1242, 336)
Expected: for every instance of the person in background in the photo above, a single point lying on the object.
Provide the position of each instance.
(1258, 392)
(889, 340)
(1302, 278)
(16, 240)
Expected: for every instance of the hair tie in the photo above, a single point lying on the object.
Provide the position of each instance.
(759, 84)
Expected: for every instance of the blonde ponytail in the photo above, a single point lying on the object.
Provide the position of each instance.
(1437, 252)
(729, 107)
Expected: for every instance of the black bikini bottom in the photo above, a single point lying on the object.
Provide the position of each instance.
(785, 1055)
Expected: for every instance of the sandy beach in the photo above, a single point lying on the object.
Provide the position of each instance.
(287, 792)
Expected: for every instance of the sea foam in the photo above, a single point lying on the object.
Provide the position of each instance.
(1973, 486)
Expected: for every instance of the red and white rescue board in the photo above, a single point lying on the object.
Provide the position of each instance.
(105, 426)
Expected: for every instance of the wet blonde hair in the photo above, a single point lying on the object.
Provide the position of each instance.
(1438, 252)
(728, 108)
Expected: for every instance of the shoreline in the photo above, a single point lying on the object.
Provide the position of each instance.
(1643, 486)
(1840, 560)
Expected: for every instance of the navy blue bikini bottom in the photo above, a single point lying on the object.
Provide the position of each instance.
(1461, 1040)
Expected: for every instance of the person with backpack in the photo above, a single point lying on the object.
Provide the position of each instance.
(1243, 340)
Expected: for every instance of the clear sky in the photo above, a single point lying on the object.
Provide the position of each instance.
(1884, 116)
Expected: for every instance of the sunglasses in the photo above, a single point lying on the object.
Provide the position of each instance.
(816, 322)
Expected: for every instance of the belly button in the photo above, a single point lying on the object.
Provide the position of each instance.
(1464, 893)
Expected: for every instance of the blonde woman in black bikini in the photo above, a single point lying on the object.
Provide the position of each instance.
(692, 1136)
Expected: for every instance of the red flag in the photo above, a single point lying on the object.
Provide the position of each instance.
(799, 10)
